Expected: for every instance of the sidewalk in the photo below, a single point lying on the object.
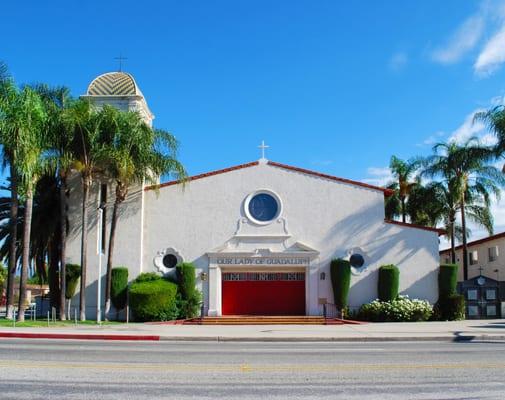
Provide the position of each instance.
(420, 331)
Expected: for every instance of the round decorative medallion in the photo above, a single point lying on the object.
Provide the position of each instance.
(263, 207)
(166, 260)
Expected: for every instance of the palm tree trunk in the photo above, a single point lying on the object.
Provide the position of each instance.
(452, 220)
(84, 247)
(465, 246)
(26, 254)
(404, 212)
(63, 243)
(112, 237)
(11, 273)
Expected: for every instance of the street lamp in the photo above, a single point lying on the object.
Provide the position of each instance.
(99, 252)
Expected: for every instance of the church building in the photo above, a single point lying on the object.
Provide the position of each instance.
(261, 234)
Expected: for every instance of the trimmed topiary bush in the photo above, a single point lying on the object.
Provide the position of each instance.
(389, 282)
(73, 273)
(189, 297)
(450, 308)
(340, 271)
(147, 276)
(153, 299)
(447, 280)
(119, 287)
(72, 276)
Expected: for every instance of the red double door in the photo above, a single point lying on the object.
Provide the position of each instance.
(258, 293)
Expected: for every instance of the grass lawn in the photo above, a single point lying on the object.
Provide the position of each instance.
(43, 323)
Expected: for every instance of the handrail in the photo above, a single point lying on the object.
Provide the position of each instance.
(330, 311)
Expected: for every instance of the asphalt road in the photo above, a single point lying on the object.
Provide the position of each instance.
(42, 369)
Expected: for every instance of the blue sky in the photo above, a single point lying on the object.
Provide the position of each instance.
(333, 86)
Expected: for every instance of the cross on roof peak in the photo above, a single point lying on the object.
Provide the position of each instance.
(120, 59)
(263, 147)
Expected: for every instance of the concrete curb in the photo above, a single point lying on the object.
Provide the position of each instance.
(290, 339)
(77, 336)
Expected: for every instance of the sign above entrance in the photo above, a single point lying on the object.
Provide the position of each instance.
(263, 261)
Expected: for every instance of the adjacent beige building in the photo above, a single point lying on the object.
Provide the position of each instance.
(485, 257)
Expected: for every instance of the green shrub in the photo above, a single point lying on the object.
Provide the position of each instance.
(119, 287)
(341, 281)
(72, 275)
(447, 280)
(153, 300)
(401, 309)
(147, 277)
(189, 297)
(389, 282)
(450, 308)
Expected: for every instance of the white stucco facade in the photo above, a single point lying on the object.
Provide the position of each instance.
(322, 218)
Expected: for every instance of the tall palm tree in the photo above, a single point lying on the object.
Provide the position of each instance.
(137, 154)
(58, 102)
(87, 149)
(495, 121)
(466, 170)
(8, 95)
(435, 204)
(403, 172)
(29, 167)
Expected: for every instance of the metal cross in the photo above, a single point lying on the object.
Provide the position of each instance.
(481, 268)
(120, 59)
(263, 146)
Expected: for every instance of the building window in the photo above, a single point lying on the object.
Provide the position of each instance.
(474, 257)
(357, 260)
(492, 253)
(447, 260)
(262, 207)
(490, 294)
(491, 311)
(473, 311)
(102, 204)
(471, 294)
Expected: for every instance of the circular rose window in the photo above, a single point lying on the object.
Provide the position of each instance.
(263, 207)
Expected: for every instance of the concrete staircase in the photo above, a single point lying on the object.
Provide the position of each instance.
(263, 320)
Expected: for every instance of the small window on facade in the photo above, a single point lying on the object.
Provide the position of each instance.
(490, 294)
(102, 205)
(447, 260)
(491, 311)
(473, 311)
(474, 258)
(471, 294)
(492, 253)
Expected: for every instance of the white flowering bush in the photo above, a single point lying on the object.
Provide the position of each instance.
(402, 309)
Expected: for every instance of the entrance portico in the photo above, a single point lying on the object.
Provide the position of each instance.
(281, 272)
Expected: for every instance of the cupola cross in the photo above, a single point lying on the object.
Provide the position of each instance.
(120, 59)
(263, 147)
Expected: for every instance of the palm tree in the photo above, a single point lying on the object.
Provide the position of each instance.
(87, 149)
(8, 94)
(435, 204)
(61, 158)
(29, 167)
(495, 121)
(468, 175)
(403, 171)
(136, 154)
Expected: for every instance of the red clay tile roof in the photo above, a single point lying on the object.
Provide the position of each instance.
(415, 226)
(478, 241)
(387, 192)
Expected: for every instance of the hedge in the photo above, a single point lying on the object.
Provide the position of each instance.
(447, 280)
(189, 297)
(72, 275)
(341, 281)
(119, 287)
(389, 282)
(153, 300)
(450, 308)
